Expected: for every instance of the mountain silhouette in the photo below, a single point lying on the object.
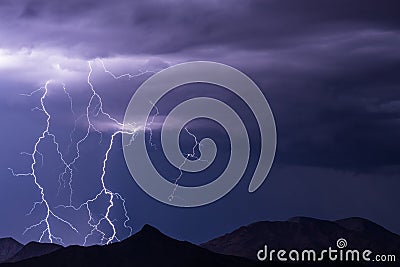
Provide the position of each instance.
(8, 248)
(13, 251)
(306, 233)
(33, 249)
(148, 247)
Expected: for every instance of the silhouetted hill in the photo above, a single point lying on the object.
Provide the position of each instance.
(149, 247)
(364, 226)
(8, 248)
(33, 249)
(306, 233)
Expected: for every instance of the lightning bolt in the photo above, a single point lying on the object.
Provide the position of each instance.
(148, 126)
(94, 108)
(187, 157)
(49, 212)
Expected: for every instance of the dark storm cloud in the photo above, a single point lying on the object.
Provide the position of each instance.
(65, 10)
(329, 68)
(99, 28)
(337, 106)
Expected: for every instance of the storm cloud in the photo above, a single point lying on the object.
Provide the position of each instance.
(329, 69)
(104, 28)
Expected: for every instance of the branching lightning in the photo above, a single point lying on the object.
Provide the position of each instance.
(149, 124)
(94, 109)
(49, 211)
(187, 157)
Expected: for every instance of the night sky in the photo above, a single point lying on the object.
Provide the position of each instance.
(329, 69)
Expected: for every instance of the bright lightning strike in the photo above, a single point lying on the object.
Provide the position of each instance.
(43, 202)
(148, 126)
(94, 108)
(187, 157)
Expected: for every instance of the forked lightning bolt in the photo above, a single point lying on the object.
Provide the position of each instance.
(48, 230)
(187, 157)
(148, 126)
(93, 109)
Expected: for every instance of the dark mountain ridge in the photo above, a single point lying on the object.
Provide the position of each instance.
(150, 247)
(13, 251)
(8, 248)
(33, 249)
(306, 233)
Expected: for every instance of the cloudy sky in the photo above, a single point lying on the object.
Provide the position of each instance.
(329, 69)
